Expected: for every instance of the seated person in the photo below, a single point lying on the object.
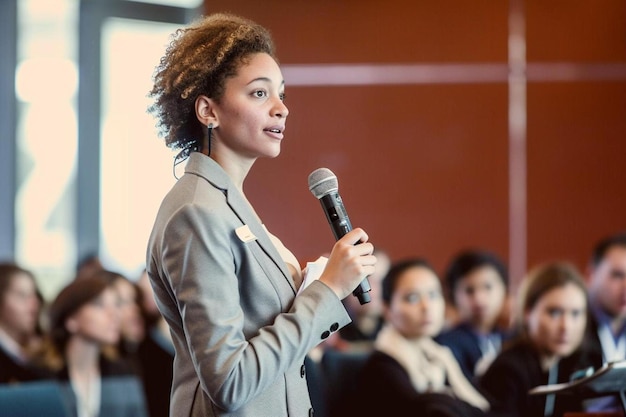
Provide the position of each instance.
(156, 348)
(408, 372)
(477, 284)
(607, 297)
(132, 324)
(20, 307)
(85, 320)
(551, 321)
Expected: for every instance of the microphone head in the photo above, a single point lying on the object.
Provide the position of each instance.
(322, 181)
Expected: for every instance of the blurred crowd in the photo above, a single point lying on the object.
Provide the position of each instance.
(451, 343)
(101, 341)
(460, 342)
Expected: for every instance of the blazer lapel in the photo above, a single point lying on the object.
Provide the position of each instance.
(200, 164)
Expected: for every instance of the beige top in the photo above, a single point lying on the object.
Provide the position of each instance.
(290, 259)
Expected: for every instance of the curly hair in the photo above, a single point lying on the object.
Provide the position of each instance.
(198, 61)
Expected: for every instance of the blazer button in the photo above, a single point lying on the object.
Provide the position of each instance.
(325, 334)
(334, 327)
(302, 371)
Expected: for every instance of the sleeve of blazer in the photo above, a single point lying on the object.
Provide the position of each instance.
(199, 258)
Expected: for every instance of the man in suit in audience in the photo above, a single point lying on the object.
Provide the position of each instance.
(607, 295)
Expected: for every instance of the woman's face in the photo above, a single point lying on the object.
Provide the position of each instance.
(99, 320)
(417, 305)
(556, 323)
(251, 115)
(20, 306)
(479, 297)
(132, 324)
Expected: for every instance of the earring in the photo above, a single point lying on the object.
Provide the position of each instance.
(208, 141)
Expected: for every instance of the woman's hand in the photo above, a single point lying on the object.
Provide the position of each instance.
(350, 262)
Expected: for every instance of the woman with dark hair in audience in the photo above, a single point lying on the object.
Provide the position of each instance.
(552, 317)
(84, 320)
(477, 282)
(20, 307)
(132, 324)
(155, 352)
(408, 373)
(144, 341)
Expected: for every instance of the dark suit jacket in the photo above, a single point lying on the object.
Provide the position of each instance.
(465, 345)
(11, 371)
(595, 358)
(156, 363)
(385, 389)
(514, 372)
(593, 345)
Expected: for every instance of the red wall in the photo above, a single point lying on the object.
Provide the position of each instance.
(424, 167)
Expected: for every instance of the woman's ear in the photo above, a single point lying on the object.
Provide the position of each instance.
(205, 111)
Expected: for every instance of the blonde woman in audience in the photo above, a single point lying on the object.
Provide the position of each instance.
(84, 319)
(551, 320)
(409, 373)
(20, 307)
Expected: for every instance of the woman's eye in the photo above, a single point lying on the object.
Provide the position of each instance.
(412, 298)
(577, 313)
(259, 94)
(282, 96)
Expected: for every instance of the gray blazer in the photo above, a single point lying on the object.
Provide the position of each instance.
(240, 332)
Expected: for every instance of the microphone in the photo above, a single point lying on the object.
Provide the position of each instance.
(325, 187)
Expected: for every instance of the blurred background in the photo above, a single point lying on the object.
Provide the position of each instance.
(449, 124)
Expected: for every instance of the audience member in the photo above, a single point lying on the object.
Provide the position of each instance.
(145, 342)
(155, 352)
(552, 318)
(607, 297)
(84, 318)
(477, 283)
(20, 307)
(132, 325)
(408, 372)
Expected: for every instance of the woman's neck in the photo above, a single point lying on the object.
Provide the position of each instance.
(83, 368)
(82, 355)
(547, 360)
(235, 166)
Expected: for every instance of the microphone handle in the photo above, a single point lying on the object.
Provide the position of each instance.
(340, 224)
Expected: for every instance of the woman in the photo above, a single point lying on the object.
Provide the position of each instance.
(477, 283)
(155, 348)
(20, 307)
(132, 324)
(225, 285)
(84, 320)
(409, 373)
(551, 323)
